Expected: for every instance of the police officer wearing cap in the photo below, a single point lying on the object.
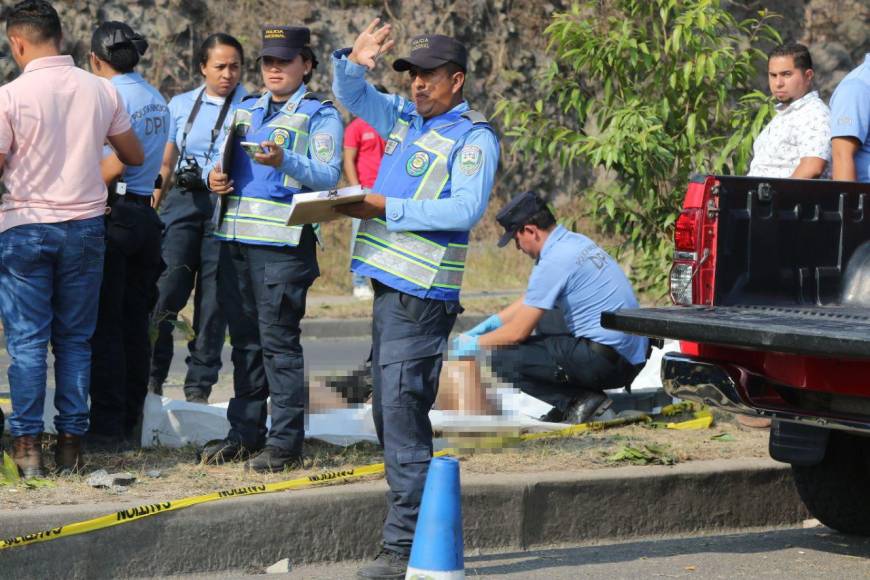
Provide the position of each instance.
(572, 359)
(120, 344)
(186, 206)
(266, 267)
(432, 187)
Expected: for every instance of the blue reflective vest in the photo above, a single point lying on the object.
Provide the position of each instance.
(257, 212)
(417, 165)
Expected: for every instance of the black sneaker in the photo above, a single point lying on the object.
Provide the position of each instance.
(156, 387)
(387, 564)
(273, 460)
(97, 443)
(219, 451)
(590, 406)
(554, 415)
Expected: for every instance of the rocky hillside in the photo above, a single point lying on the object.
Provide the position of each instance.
(507, 47)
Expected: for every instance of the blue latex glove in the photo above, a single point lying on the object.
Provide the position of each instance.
(464, 346)
(488, 325)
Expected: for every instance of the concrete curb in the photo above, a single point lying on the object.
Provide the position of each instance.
(326, 328)
(343, 523)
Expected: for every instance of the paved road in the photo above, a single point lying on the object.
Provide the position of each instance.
(791, 553)
(321, 355)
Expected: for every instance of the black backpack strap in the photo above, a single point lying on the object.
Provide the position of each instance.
(316, 97)
(475, 117)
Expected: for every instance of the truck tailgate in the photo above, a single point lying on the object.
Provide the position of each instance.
(815, 331)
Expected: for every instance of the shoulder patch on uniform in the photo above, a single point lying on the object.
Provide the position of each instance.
(470, 159)
(474, 116)
(324, 146)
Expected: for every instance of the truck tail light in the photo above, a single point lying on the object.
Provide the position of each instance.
(693, 270)
(681, 282)
(686, 231)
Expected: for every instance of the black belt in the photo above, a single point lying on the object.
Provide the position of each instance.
(136, 198)
(130, 198)
(608, 352)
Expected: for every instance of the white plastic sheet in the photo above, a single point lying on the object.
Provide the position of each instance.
(172, 423)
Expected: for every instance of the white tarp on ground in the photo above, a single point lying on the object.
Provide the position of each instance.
(172, 423)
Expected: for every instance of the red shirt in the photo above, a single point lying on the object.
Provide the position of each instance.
(369, 147)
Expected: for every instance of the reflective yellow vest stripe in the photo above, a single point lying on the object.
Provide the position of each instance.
(407, 255)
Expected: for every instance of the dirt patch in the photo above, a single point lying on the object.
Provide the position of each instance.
(180, 475)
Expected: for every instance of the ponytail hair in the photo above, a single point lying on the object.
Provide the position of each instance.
(117, 44)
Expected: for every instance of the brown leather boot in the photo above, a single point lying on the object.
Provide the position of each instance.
(68, 453)
(27, 454)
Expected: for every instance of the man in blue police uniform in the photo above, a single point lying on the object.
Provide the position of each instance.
(432, 187)
(568, 368)
(121, 350)
(850, 126)
(266, 267)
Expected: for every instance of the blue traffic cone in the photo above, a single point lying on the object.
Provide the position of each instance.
(436, 553)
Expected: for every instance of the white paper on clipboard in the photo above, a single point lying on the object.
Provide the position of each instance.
(317, 206)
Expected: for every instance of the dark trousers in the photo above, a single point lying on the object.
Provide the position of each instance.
(191, 254)
(120, 347)
(557, 368)
(262, 291)
(409, 336)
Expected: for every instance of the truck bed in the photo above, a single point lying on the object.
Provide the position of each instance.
(816, 331)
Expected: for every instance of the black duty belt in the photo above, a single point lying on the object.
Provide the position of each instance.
(608, 352)
(130, 198)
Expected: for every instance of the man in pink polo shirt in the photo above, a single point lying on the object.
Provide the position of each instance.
(54, 120)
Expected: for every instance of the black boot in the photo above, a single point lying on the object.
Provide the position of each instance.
(386, 565)
(272, 460)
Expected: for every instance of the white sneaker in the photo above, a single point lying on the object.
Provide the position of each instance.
(363, 292)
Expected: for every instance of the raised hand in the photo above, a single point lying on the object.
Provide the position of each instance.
(371, 43)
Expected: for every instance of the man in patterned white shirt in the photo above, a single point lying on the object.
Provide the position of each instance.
(797, 142)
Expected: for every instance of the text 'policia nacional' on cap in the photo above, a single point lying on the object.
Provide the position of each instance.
(429, 51)
(284, 42)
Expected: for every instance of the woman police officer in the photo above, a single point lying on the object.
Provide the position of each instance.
(120, 345)
(266, 267)
(189, 249)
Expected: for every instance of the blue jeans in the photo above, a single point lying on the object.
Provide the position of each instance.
(50, 278)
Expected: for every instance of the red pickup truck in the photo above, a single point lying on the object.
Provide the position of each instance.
(771, 286)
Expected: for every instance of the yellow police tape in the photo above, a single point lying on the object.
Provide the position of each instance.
(331, 477)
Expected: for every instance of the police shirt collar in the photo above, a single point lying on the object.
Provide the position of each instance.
(263, 101)
(49, 62)
(557, 234)
(130, 78)
(458, 109)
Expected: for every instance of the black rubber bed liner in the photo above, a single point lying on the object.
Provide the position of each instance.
(820, 331)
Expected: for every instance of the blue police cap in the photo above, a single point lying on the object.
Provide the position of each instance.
(284, 42)
(429, 51)
(517, 213)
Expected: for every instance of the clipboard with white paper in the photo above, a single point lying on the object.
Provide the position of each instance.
(318, 206)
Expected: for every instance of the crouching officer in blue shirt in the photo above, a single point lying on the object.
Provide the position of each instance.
(432, 187)
(120, 344)
(576, 280)
(266, 267)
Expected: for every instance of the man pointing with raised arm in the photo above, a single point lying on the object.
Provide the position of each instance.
(432, 187)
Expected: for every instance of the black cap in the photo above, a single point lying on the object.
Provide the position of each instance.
(430, 51)
(517, 213)
(284, 42)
